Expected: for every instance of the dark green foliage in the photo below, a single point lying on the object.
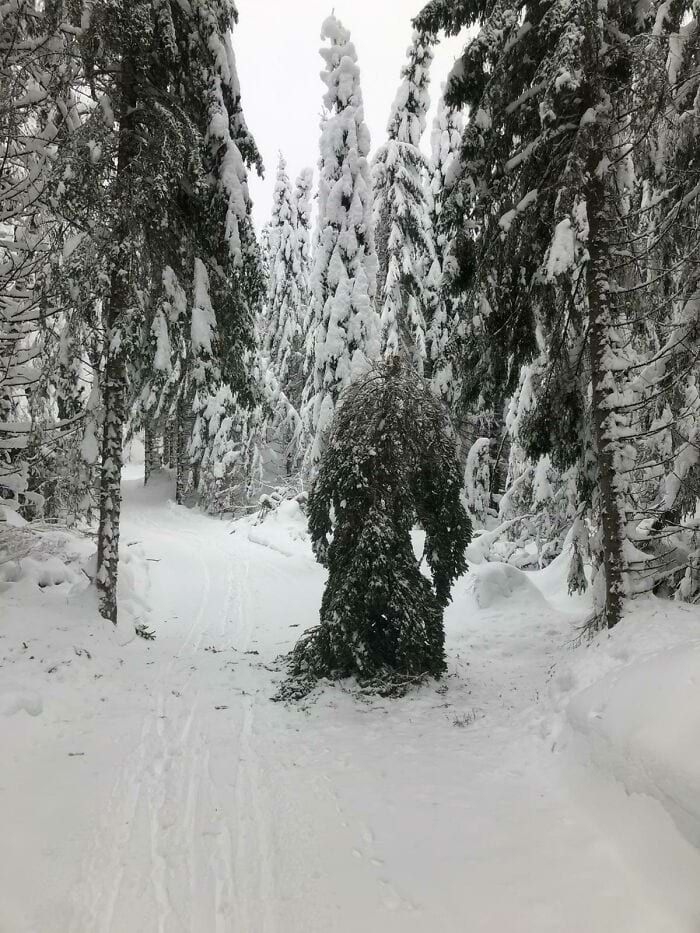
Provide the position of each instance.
(555, 425)
(389, 461)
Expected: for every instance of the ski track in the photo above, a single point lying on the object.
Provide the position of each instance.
(230, 814)
(168, 775)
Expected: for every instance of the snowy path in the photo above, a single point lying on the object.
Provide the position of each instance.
(171, 794)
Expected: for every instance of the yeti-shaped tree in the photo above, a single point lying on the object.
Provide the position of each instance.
(390, 461)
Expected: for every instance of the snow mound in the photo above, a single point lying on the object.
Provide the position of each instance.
(11, 517)
(493, 583)
(631, 701)
(283, 530)
(15, 699)
(643, 724)
(42, 556)
(133, 592)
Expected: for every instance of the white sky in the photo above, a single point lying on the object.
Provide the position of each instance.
(276, 45)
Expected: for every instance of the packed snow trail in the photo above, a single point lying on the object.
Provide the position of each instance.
(164, 791)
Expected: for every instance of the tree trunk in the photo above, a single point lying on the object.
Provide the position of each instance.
(172, 442)
(115, 378)
(166, 444)
(181, 452)
(149, 452)
(600, 331)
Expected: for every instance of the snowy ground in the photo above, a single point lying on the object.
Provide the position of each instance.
(153, 786)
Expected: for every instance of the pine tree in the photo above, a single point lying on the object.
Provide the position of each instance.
(302, 199)
(401, 214)
(35, 107)
(284, 340)
(444, 170)
(164, 80)
(548, 86)
(390, 461)
(343, 327)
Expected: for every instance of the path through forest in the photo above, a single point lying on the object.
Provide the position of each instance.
(177, 797)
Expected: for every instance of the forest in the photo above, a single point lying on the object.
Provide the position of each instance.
(442, 411)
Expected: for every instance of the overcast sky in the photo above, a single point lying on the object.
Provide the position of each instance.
(276, 45)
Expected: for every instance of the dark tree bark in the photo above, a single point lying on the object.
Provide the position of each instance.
(600, 325)
(115, 377)
(181, 437)
(153, 459)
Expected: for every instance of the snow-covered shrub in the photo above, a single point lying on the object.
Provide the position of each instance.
(477, 480)
(544, 502)
(41, 555)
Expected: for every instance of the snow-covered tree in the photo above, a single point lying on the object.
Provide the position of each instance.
(37, 108)
(401, 214)
(444, 170)
(343, 326)
(390, 461)
(477, 480)
(164, 80)
(303, 188)
(541, 199)
(287, 290)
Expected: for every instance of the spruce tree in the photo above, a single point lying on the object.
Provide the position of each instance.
(343, 327)
(443, 172)
(303, 188)
(164, 80)
(287, 290)
(36, 107)
(548, 87)
(404, 236)
(390, 461)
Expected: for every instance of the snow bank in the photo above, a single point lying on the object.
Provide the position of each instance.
(282, 529)
(631, 706)
(42, 556)
(493, 583)
(133, 591)
(15, 698)
(41, 565)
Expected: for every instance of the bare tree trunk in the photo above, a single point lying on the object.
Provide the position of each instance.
(114, 378)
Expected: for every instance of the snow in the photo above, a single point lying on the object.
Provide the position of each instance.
(562, 253)
(155, 786)
(203, 317)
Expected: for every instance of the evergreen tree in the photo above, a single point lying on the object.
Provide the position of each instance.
(302, 199)
(444, 171)
(477, 480)
(344, 327)
(404, 236)
(36, 107)
(287, 290)
(548, 87)
(390, 461)
(164, 80)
